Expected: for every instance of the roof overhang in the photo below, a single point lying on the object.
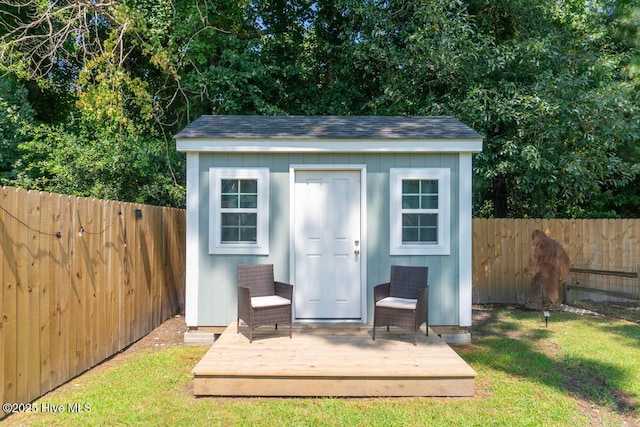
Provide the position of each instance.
(206, 145)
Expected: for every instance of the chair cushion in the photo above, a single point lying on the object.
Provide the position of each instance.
(400, 303)
(269, 301)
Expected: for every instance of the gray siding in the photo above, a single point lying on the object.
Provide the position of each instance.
(217, 292)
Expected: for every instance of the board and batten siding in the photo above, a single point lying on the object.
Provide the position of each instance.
(217, 293)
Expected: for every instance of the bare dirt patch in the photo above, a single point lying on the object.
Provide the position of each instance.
(168, 334)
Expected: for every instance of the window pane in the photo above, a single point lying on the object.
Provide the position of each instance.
(248, 234)
(248, 201)
(419, 194)
(409, 235)
(229, 186)
(239, 227)
(429, 220)
(248, 219)
(249, 186)
(410, 202)
(229, 235)
(230, 219)
(420, 228)
(410, 220)
(429, 202)
(239, 193)
(429, 186)
(429, 235)
(410, 186)
(229, 201)
(239, 234)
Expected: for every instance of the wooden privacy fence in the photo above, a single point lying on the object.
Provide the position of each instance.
(81, 280)
(502, 250)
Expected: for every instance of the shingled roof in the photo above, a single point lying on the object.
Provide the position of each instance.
(328, 127)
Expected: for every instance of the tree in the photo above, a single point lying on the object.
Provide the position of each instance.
(557, 111)
(111, 143)
(15, 115)
(553, 87)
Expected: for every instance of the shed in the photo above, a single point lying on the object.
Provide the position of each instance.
(332, 202)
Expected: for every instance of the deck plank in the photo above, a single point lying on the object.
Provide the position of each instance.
(331, 360)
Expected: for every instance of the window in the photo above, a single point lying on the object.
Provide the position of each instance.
(239, 206)
(420, 210)
(239, 210)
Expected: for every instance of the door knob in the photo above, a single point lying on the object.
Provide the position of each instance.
(357, 252)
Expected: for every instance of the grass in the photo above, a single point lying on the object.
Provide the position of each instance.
(579, 371)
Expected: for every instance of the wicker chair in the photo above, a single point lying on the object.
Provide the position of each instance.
(403, 301)
(261, 300)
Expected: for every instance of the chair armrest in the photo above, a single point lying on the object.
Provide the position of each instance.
(244, 295)
(423, 303)
(284, 290)
(381, 291)
(423, 294)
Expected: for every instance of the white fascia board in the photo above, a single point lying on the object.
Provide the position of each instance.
(330, 146)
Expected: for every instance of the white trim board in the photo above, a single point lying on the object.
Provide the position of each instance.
(192, 273)
(465, 233)
(332, 146)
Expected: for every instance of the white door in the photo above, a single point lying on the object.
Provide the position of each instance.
(327, 245)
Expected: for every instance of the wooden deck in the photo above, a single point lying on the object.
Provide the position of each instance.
(331, 360)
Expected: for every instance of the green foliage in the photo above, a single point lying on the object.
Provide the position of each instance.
(81, 160)
(107, 141)
(553, 87)
(15, 114)
(558, 114)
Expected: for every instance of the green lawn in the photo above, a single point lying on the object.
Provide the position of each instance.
(579, 371)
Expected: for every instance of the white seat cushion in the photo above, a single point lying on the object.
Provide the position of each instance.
(269, 301)
(401, 303)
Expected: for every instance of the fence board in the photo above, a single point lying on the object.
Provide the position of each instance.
(500, 276)
(9, 321)
(95, 276)
(82, 273)
(67, 326)
(34, 259)
(125, 283)
(70, 301)
(111, 285)
(477, 260)
(53, 375)
(100, 295)
(22, 298)
(140, 294)
(44, 381)
(76, 329)
(516, 249)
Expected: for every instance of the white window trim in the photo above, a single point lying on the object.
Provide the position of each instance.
(261, 246)
(443, 176)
